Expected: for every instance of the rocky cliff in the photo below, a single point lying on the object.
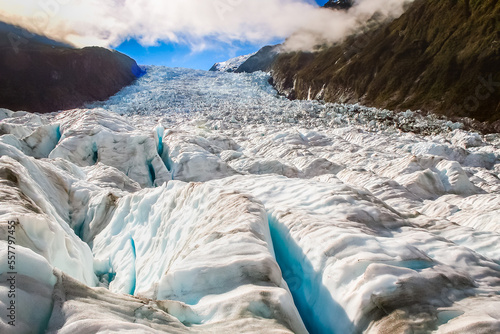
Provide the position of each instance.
(440, 55)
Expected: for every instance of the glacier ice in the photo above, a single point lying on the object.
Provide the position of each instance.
(197, 201)
(34, 284)
(205, 247)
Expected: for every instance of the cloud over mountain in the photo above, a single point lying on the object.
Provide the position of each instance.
(196, 23)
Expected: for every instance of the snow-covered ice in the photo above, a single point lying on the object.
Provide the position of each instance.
(232, 64)
(197, 201)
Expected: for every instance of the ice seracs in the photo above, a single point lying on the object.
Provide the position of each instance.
(35, 194)
(91, 137)
(199, 201)
(205, 247)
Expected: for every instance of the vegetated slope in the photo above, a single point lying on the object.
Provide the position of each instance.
(440, 55)
(40, 76)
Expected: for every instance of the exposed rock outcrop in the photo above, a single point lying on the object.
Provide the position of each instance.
(339, 4)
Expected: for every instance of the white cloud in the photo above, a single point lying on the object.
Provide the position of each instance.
(194, 22)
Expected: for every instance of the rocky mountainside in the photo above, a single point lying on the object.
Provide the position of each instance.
(40, 75)
(230, 65)
(339, 4)
(262, 60)
(440, 55)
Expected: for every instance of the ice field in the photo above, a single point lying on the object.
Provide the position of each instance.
(203, 202)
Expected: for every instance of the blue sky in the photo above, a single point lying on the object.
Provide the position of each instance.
(180, 55)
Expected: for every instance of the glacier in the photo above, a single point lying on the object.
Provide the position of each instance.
(196, 201)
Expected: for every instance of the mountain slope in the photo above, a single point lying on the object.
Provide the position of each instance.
(441, 56)
(11, 35)
(41, 75)
(230, 65)
(261, 60)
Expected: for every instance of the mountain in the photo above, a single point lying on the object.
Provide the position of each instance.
(41, 75)
(440, 56)
(230, 65)
(262, 60)
(339, 4)
(11, 36)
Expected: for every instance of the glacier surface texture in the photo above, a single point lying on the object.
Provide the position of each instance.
(203, 202)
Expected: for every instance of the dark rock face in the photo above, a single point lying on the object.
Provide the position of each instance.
(441, 56)
(214, 68)
(38, 76)
(339, 4)
(261, 61)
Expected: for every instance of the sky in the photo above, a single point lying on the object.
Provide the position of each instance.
(180, 55)
(192, 33)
